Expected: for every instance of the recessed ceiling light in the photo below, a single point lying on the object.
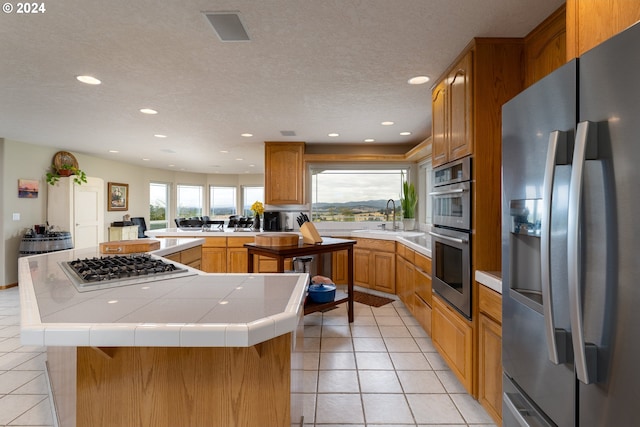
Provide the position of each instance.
(418, 80)
(224, 151)
(252, 165)
(369, 140)
(171, 166)
(113, 151)
(405, 133)
(239, 159)
(90, 80)
(159, 135)
(387, 123)
(247, 135)
(148, 111)
(145, 159)
(333, 135)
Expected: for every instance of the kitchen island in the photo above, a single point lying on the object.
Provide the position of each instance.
(199, 349)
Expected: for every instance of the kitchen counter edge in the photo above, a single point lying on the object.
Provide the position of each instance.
(35, 332)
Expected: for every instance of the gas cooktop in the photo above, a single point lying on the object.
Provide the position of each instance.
(120, 270)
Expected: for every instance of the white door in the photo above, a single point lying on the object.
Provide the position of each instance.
(88, 214)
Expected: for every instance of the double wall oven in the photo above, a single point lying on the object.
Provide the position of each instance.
(451, 234)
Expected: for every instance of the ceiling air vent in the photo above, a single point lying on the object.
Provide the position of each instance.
(228, 26)
(287, 133)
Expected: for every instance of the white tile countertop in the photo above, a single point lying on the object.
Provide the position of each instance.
(197, 310)
(490, 279)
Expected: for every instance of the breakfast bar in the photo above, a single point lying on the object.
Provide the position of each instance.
(192, 350)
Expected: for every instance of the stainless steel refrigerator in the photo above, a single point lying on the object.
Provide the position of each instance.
(571, 243)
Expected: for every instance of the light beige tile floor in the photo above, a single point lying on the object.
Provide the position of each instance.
(380, 371)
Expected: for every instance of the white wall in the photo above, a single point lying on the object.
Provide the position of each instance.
(28, 161)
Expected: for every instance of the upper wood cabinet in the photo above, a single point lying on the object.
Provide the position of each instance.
(460, 108)
(591, 22)
(546, 47)
(439, 139)
(452, 102)
(284, 173)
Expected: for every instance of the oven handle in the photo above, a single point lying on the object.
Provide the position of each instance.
(442, 193)
(451, 239)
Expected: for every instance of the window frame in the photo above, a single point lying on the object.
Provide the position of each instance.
(153, 224)
(211, 199)
(177, 206)
(411, 176)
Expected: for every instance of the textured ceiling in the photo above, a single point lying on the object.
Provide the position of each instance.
(312, 66)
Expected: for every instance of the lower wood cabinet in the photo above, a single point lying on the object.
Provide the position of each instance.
(237, 257)
(452, 336)
(191, 257)
(374, 265)
(490, 352)
(214, 260)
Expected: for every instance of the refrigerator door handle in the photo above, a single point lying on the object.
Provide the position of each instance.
(556, 338)
(584, 353)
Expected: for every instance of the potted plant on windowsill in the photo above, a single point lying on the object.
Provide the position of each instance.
(55, 173)
(408, 202)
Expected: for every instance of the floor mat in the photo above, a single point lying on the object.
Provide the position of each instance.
(369, 299)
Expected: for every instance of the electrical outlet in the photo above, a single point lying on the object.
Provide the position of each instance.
(16, 216)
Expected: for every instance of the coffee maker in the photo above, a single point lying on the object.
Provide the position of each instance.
(272, 221)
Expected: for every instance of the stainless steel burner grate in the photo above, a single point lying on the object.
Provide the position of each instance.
(119, 270)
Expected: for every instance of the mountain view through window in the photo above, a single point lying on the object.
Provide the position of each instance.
(355, 195)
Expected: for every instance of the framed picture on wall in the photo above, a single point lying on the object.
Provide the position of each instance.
(28, 188)
(118, 196)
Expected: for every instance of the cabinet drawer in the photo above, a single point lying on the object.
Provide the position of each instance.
(378, 245)
(423, 286)
(422, 262)
(405, 252)
(215, 242)
(422, 313)
(173, 257)
(188, 256)
(490, 303)
(238, 242)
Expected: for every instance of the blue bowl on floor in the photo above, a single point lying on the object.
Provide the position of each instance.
(321, 293)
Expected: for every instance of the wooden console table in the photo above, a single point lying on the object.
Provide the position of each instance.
(280, 253)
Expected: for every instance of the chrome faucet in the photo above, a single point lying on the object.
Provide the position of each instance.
(394, 227)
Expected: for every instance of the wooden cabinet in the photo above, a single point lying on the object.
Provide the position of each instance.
(546, 47)
(452, 336)
(460, 108)
(191, 257)
(452, 114)
(591, 22)
(405, 272)
(374, 264)
(422, 292)
(237, 254)
(340, 267)
(214, 255)
(123, 233)
(439, 130)
(490, 352)
(284, 173)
